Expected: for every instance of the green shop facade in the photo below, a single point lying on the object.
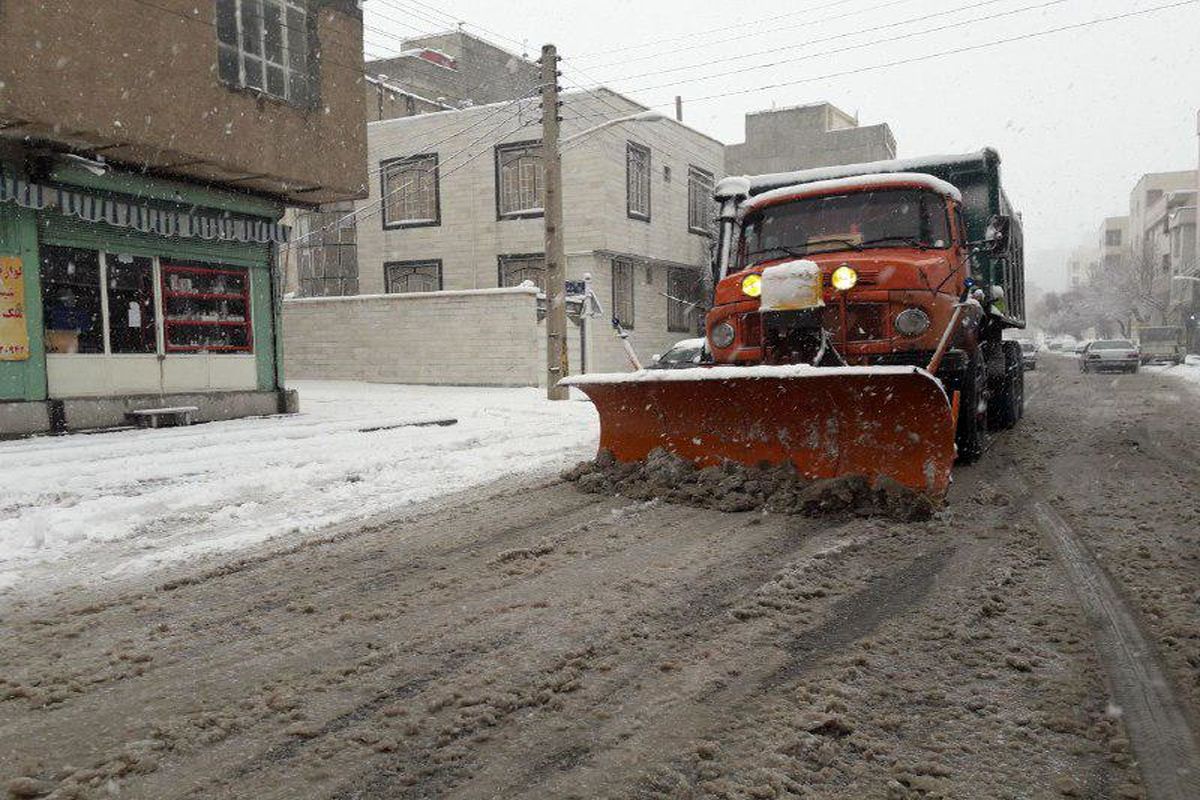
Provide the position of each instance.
(121, 292)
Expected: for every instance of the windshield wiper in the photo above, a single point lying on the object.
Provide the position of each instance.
(787, 251)
(909, 240)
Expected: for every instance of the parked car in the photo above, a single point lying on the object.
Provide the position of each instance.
(1110, 354)
(1081, 347)
(684, 354)
(1029, 351)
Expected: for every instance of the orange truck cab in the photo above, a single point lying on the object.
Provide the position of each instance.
(898, 260)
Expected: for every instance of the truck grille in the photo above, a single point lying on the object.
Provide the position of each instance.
(865, 322)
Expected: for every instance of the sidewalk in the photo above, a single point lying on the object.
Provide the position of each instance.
(89, 507)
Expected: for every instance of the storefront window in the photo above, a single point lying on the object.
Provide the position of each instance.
(207, 309)
(72, 306)
(131, 316)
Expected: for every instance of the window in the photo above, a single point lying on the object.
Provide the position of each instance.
(1112, 238)
(264, 45)
(637, 181)
(71, 300)
(410, 192)
(520, 190)
(404, 277)
(515, 270)
(622, 292)
(684, 293)
(206, 309)
(131, 316)
(700, 200)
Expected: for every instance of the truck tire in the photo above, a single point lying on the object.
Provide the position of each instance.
(1007, 402)
(971, 433)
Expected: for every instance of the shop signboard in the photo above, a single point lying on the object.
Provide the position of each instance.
(14, 337)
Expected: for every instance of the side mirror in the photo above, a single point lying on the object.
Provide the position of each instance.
(656, 357)
(996, 236)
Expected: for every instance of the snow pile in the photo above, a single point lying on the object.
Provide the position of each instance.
(1188, 371)
(84, 505)
(733, 487)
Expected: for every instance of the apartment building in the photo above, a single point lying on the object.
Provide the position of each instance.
(438, 72)
(455, 205)
(800, 137)
(142, 182)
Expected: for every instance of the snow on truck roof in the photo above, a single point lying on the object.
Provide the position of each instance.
(894, 179)
(758, 184)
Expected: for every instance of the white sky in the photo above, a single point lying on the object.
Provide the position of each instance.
(1078, 116)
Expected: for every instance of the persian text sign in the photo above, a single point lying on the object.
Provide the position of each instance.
(14, 337)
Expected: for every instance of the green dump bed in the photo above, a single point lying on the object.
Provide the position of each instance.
(977, 177)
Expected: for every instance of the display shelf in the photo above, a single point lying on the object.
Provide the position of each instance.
(207, 309)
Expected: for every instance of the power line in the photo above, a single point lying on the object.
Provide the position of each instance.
(438, 170)
(809, 42)
(771, 21)
(941, 53)
(848, 48)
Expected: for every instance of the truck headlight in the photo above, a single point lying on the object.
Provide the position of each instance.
(752, 285)
(844, 278)
(722, 335)
(912, 322)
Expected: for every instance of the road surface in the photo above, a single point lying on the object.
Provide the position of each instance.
(1039, 639)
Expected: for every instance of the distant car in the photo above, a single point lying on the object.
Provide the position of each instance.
(684, 354)
(1110, 354)
(1029, 352)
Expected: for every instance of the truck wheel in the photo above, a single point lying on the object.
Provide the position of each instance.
(971, 434)
(1004, 407)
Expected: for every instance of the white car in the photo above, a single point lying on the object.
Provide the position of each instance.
(1110, 354)
(684, 354)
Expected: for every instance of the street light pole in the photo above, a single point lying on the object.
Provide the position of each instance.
(556, 268)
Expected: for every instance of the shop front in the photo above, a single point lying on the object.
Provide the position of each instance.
(124, 293)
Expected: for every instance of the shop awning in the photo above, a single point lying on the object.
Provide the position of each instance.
(130, 213)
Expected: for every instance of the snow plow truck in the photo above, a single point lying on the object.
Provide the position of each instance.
(855, 328)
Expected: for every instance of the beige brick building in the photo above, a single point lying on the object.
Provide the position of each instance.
(455, 204)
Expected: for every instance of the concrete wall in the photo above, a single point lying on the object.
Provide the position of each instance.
(477, 338)
(154, 99)
(818, 135)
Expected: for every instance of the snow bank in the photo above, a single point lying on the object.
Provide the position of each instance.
(108, 504)
(1189, 371)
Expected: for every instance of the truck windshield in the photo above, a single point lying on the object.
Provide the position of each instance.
(888, 218)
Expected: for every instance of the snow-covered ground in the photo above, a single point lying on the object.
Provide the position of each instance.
(100, 506)
(1189, 371)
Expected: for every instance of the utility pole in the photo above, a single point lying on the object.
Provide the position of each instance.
(556, 267)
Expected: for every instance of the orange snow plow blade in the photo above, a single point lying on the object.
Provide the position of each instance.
(827, 421)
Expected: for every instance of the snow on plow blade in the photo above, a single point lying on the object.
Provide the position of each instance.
(827, 421)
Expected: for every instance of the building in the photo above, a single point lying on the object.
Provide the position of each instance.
(143, 180)
(440, 72)
(456, 207)
(817, 135)
(1081, 266)
(1112, 244)
(1151, 203)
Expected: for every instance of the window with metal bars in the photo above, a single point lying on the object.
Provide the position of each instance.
(637, 181)
(700, 201)
(267, 45)
(684, 294)
(410, 191)
(520, 189)
(622, 292)
(403, 277)
(516, 269)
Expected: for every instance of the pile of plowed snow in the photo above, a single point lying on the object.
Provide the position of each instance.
(734, 487)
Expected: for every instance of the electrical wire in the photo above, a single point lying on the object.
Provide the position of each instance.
(809, 42)
(439, 170)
